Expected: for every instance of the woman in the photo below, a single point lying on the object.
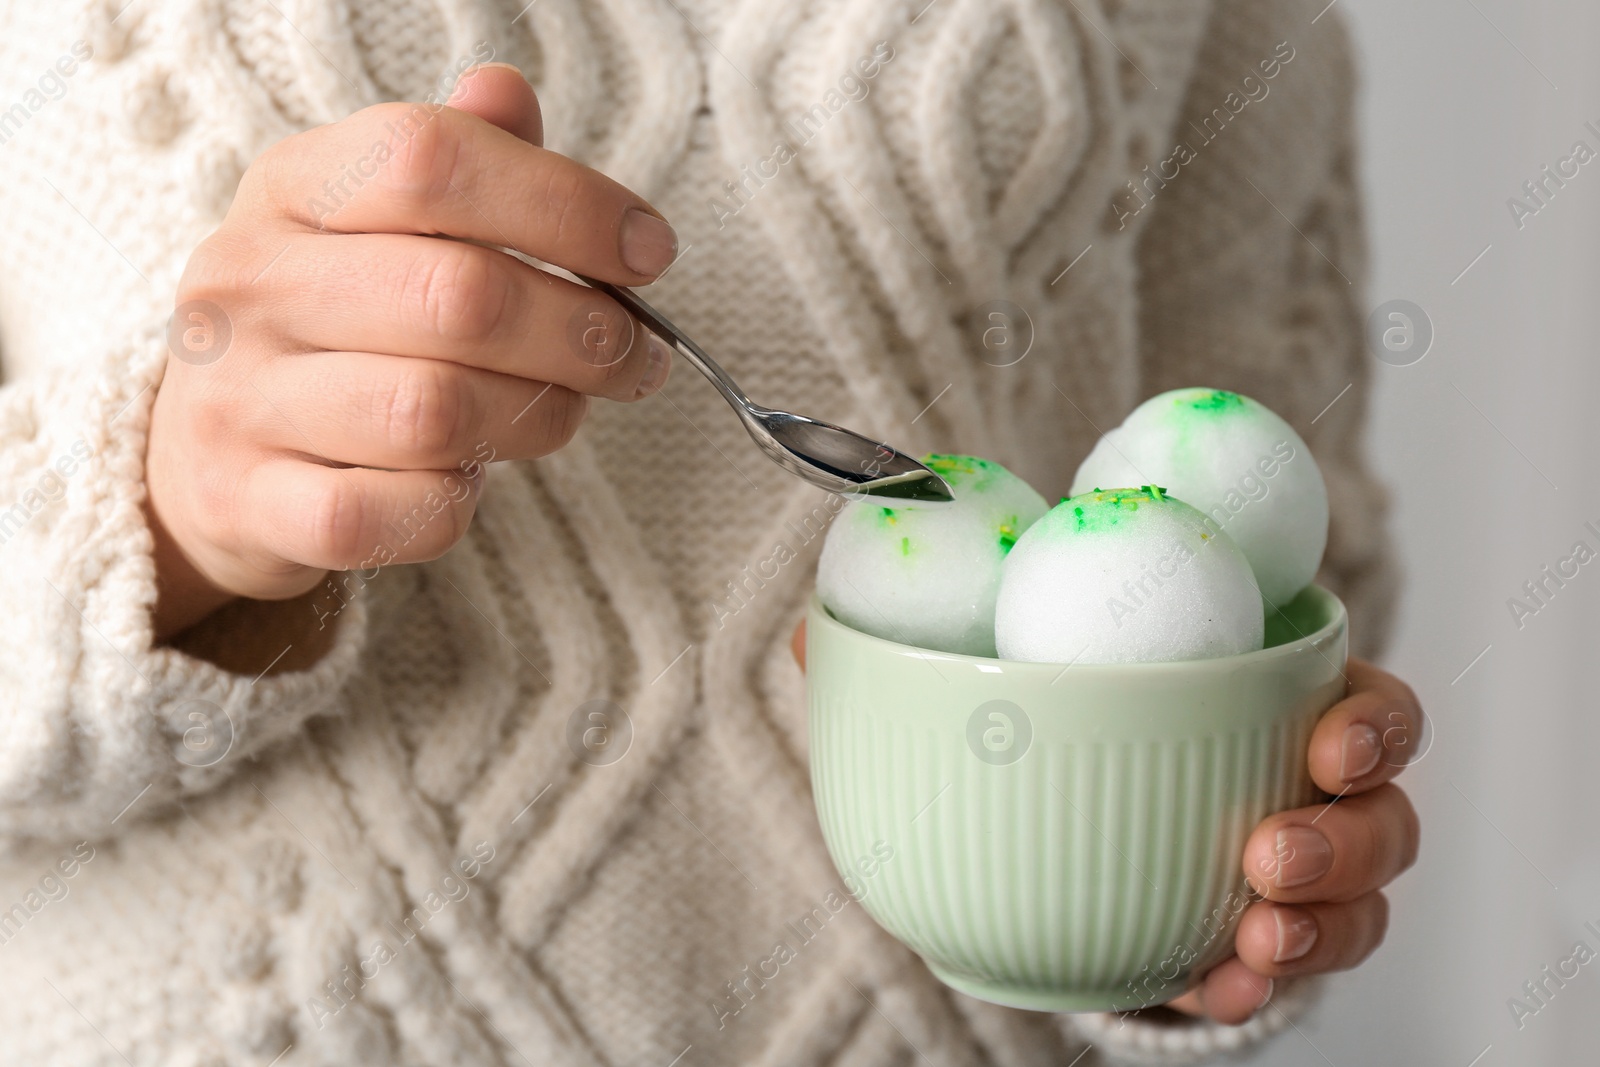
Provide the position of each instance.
(324, 747)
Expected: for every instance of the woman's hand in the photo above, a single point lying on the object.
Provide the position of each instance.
(340, 372)
(1322, 868)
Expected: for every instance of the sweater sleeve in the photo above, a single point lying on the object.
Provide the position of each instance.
(1253, 267)
(1252, 264)
(100, 726)
(1160, 1037)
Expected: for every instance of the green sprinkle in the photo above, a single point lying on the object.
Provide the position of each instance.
(1104, 508)
(972, 472)
(943, 463)
(1008, 534)
(1216, 400)
(905, 546)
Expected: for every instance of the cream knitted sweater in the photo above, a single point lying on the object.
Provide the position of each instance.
(384, 849)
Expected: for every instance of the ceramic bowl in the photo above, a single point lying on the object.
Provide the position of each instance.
(1063, 838)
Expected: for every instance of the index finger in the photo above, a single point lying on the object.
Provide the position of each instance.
(1367, 738)
(426, 169)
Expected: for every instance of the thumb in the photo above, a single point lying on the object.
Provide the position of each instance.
(500, 95)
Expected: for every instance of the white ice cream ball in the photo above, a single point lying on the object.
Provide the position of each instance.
(1126, 576)
(1236, 461)
(926, 574)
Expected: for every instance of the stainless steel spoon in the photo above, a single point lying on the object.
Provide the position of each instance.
(827, 456)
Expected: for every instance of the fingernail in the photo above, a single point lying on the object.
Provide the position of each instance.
(1307, 856)
(1359, 751)
(655, 375)
(1297, 932)
(1266, 994)
(649, 245)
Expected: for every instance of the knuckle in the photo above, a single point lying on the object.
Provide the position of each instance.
(1389, 832)
(266, 178)
(423, 410)
(421, 531)
(629, 354)
(336, 515)
(606, 339)
(567, 208)
(1371, 847)
(457, 293)
(256, 183)
(564, 411)
(219, 268)
(460, 514)
(425, 153)
(1370, 930)
(437, 530)
(212, 423)
(216, 503)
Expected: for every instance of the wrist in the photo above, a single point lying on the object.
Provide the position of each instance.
(184, 595)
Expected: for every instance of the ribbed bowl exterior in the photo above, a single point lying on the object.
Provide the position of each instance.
(1061, 839)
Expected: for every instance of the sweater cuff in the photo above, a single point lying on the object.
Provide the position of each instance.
(1159, 1036)
(244, 678)
(97, 720)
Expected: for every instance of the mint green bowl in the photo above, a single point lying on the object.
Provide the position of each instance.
(1062, 838)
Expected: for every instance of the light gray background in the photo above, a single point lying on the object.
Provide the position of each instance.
(1463, 101)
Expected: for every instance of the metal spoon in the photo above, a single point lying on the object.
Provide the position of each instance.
(827, 456)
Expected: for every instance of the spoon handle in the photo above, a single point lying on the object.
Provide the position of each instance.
(662, 327)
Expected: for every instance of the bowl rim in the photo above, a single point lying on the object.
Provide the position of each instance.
(1260, 657)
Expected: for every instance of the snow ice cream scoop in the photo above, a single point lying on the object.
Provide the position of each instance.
(1244, 468)
(1126, 576)
(927, 574)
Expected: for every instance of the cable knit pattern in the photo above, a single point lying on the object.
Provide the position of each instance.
(398, 858)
